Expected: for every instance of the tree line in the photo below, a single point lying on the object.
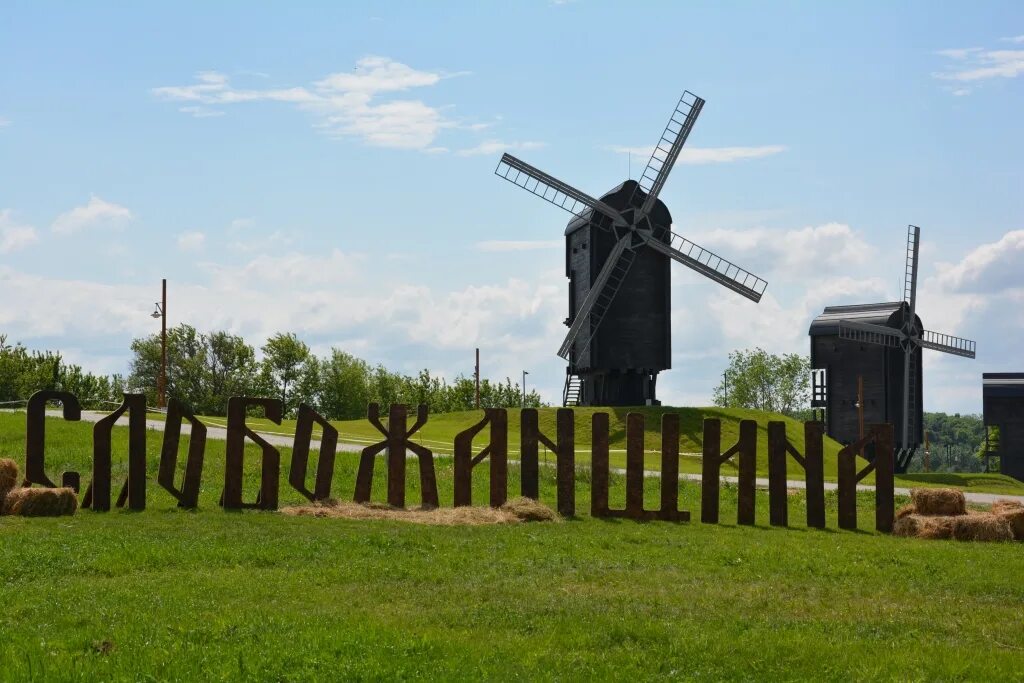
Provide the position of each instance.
(23, 372)
(205, 369)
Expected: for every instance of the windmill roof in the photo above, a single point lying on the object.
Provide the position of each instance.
(876, 314)
(578, 222)
(1003, 384)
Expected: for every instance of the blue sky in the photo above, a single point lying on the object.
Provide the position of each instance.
(328, 169)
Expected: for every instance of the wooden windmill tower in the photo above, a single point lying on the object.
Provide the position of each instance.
(617, 258)
(879, 345)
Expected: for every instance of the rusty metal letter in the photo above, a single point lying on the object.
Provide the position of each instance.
(133, 492)
(188, 495)
(234, 454)
(35, 437)
(300, 454)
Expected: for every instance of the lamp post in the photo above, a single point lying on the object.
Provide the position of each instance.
(161, 313)
(525, 373)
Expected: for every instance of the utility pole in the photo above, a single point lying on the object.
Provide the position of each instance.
(161, 313)
(725, 379)
(477, 375)
(523, 402)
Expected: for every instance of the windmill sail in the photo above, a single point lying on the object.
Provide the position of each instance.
(947, 343)
(600, 296)
(562, 195)
(910, 277)
(709, 264)
(665, 153)
(867, 333)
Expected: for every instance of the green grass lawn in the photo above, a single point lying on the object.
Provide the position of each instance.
(174, 595)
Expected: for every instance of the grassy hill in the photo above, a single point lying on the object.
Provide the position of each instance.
(206, 595)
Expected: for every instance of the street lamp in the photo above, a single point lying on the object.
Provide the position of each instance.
(525, 373)
(161, 314)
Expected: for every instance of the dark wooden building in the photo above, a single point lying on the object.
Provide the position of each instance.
(620, 365)
(837, 363)
(1003, 405)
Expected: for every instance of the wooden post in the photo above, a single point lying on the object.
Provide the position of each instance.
(814, 473)
(709, 471)
(566, 464)
(599, 465)
(847, 488)
(528, 451)
(885, 504)
(778, 505)
(747, 473)
(670, 465)
(635, 465)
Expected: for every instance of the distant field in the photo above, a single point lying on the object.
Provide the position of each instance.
(207, 595)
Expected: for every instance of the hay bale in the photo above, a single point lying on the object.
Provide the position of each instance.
(40, 502)
(907, 509)
(938, 501)
(529, 510)
(1001, 506)
(924, 526)
(8, 477)
(1014, 516)
(981, 527)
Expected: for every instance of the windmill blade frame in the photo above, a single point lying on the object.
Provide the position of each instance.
(665, 153)
(600, 297)
(708, 263)
(868, 333)
(551, 189)
(910, 276)
(947, 343)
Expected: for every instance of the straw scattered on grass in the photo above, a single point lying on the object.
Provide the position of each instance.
(518, 510)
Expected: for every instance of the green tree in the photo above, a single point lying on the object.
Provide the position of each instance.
(284, 356)
(764, 381)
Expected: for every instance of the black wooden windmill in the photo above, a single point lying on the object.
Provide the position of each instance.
(617, 253)
(866, 364)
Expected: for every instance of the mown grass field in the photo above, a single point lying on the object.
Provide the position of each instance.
(168, 594)
(440, 430)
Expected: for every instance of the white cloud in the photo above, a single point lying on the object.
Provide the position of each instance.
(706, 155)
(991, 268)
(1014, 39)
(791, 254)
(518, 245)
(14, 236)
(494, 146)
(345, 104)
(97, 213)
(979, 64)
(191, 241)
(4, 122)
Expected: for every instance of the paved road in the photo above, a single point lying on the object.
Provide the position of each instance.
(217, 432)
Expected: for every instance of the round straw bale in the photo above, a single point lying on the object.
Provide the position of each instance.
(938, 501)
(41, 502)
(923, 526)
(1015, 518)
(529, 510)
(981, 527)
(8, 476)
(1001, 506)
